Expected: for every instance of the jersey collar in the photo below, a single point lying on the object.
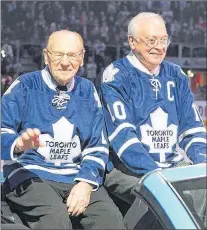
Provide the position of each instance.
(51, 83)
(138, 65)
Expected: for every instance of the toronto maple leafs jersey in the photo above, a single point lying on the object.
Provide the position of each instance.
(146, 115)
(72, 130)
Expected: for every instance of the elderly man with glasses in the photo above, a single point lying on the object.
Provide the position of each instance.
(53, 130)
(148, 109)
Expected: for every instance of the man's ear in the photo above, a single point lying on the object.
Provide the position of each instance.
(45, 57)
(82, 61)
(131, 42)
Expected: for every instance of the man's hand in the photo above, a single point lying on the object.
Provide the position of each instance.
(79, 198)
(29, 139)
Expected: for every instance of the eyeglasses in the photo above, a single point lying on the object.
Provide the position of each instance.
(151, 43)
(58, 56)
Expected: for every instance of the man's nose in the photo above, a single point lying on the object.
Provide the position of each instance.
(65, 60)
(160, 45)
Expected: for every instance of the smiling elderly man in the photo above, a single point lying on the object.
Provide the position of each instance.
(53, 129)
(148, 108)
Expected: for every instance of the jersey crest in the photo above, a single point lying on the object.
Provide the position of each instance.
(64, 147)
(159, 137)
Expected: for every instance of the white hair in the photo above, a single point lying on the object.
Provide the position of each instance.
(133, 27)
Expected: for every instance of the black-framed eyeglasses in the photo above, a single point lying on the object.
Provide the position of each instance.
(151, 42)
(58, 56)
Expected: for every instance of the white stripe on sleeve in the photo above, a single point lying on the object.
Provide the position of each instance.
(6, 130)
(127, 144)
(119, 128)
(96, 159)
(95, 149)
(194, 140)
(191, 131)
(50, 170)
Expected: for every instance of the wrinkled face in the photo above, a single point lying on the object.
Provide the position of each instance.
(150, 44)
(64, 55)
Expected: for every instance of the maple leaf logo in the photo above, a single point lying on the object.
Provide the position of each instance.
(109, 73)
(160, 138)
(63, 148)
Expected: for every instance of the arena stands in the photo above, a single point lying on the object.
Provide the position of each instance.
(103, 24)
(32, 21)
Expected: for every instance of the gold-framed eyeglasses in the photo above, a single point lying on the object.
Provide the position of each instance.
(151, 42)
(58, 56)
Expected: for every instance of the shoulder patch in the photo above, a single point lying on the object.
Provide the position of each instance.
(109, 73)
(11, 86)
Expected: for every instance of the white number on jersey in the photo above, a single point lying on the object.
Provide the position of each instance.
(118, 111)
(170, 84)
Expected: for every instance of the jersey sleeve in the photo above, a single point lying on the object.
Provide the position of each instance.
(13, 102)
(121, 130)
(192, 134)
(95, 154)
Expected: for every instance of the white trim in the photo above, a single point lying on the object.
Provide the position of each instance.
(191, 131)
(197, 139)
(163, 165)
(89, 182)
(98, 160)
(119, 128)
(71, 165)
(95, 149)
(47, 79)
(55, 171)
(127, 144)
(17, 81)
(10, 162)
(6, 130)
(12, 151)
(137, 64)
(202, 154)
(71, 84)
(50, 82)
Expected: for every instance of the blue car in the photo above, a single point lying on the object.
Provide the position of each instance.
(170, 199)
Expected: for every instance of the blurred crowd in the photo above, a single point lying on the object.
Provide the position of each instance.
(103, 25)
(99, 21)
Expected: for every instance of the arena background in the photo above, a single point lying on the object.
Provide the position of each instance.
(25, 27)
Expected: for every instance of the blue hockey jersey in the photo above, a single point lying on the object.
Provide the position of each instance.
(147, 115)
(72, 130)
